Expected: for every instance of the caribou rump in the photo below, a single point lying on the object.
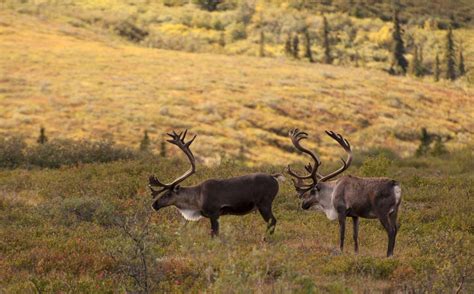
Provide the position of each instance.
(215, 197)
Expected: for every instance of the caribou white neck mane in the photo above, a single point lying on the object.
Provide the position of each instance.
(191, 214)
(326, 204)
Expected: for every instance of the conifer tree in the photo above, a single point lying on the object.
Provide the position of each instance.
(461, 66)
(399, 62)
(295, 46)
(42, 137)
(308, 53)
(436, 68)
(326, 42)
(163, 148)
(438, 147)
(288, 48)
(145, 143)
(262, 44)
(450, 56)
(425, 142)
(222, 39)
(420, 52)
(416, 67)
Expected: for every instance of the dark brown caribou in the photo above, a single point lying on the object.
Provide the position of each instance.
(348, 196)
(216, 197)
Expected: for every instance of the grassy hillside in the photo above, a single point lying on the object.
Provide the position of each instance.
(78, 83)
(62, 231)
(360, 31)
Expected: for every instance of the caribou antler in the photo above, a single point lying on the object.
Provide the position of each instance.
(301, 187)
(345, 163)
(178, 140)
(296, 136)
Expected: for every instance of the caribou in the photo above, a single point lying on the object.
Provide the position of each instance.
(348, 196)
(216, 197)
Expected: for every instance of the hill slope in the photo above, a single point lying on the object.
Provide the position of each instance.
(80, 84)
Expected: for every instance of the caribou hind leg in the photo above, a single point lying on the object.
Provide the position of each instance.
(342, 230)
(355, 235)
(267, 215)
(391, 229)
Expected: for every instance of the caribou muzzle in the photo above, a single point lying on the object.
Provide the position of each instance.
(306, 205)
(156, 206)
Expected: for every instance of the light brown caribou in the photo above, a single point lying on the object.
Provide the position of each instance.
(348, 196)
(215, 197)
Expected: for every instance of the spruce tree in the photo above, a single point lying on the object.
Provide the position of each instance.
(416, 67)
(438, 147)
(163, 148)
(145, 143)
(42, 137)
(222, 39)
(295, 46)
(262, 44)
(450, 56)
(461, 66)
(308, 53)
(437, 70)
(425, 142)
(420, 52)
(399, 62)
(288, 49)
(326, 42)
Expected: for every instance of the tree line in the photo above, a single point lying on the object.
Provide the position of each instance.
(454, 64)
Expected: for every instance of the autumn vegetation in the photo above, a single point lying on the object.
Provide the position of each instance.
(88, 89)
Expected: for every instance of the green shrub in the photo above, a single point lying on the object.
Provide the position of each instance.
(73, 210)
(175, 3)
(130, 31)
(365, 266)
(209, 5)
(361, 157)
(12, 152)
(57, 153)
(376, 166)
(236, 31)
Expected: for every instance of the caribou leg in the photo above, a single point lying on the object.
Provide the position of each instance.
(214, 226)
(267, 215)
(355, 233)
(342, 230)
(391, 232)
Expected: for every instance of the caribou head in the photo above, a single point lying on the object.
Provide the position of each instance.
(172, 194)
(311, 192)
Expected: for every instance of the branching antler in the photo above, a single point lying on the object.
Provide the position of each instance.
(178, 140)
(296, 136)
(345, 163)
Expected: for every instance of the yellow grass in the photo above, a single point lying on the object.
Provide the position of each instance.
(78, 84)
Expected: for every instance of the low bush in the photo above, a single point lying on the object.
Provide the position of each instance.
(14, 153)
(363, 266)
(73, 210)
(376, 166)
(67, 152)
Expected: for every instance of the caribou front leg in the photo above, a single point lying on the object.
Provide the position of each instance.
(214, 227)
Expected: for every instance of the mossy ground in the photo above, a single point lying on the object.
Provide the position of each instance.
(57, 234)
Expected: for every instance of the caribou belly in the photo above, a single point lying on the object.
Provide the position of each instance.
(190, 214)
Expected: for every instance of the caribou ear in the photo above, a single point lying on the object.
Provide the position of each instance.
(176, 188)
